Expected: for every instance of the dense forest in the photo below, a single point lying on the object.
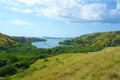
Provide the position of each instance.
(17, 53)
(24, 40)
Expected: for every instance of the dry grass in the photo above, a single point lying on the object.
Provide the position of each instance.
(102, 65)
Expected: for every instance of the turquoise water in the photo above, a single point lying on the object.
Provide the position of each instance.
(50, 43)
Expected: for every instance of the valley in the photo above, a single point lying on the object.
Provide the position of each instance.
(91, 56)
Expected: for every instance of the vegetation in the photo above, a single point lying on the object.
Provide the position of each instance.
(102, 65)
(22, 56)
(6, 42)
(9, 41)
(105, 39)
(17, 54)
(24, 40)
(19, 57)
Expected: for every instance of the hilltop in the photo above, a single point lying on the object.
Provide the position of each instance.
(102, 65)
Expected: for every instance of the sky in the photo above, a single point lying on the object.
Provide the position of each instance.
(58, 18)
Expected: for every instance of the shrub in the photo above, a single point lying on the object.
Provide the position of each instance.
(22, 64)
(46, 60)
(3, 62)
(7, 71)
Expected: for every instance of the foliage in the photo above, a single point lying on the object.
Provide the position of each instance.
(3, 62)
(22, 64)
(24, 40)
(21, 54)
(9, 41)
(7, 70)
(102, 65)
(105, 39)
(6, 42)
(75, 49)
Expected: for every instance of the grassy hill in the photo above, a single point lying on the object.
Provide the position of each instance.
(24, 39)
(16, 54)
(96, 39)
(6, 41)
(63, 62)
(102, 65)
(11, 41)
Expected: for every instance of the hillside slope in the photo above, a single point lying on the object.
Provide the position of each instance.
(6, 41)
(28, 40)
(102, 65)
(10, 41)
(96, 39)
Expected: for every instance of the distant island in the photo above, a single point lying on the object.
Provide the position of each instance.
(56, 37)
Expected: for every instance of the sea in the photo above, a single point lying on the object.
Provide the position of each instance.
(49, 43)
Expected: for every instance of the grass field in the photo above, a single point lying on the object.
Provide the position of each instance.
(102, 65)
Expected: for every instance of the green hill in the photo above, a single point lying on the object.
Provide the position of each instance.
(96, 39)
(17, 53)
(63, 62)
(6, 41)
(28, 40)
(11, 41)
(102, 65)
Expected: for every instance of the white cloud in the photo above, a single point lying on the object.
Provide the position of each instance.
(69, 10)
(91, 11)
(26, 11)
(19, 22)
(35, 2)
(8, 2)
(29, 2)
(118, 4)
(51, 12)
(13, 9)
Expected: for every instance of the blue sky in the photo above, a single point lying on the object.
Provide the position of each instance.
(58, 18)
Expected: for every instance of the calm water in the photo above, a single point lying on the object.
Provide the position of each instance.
(49, 43)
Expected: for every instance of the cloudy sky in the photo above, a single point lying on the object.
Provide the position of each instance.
(58, 18)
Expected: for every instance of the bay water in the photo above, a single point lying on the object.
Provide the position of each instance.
(49, 43)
